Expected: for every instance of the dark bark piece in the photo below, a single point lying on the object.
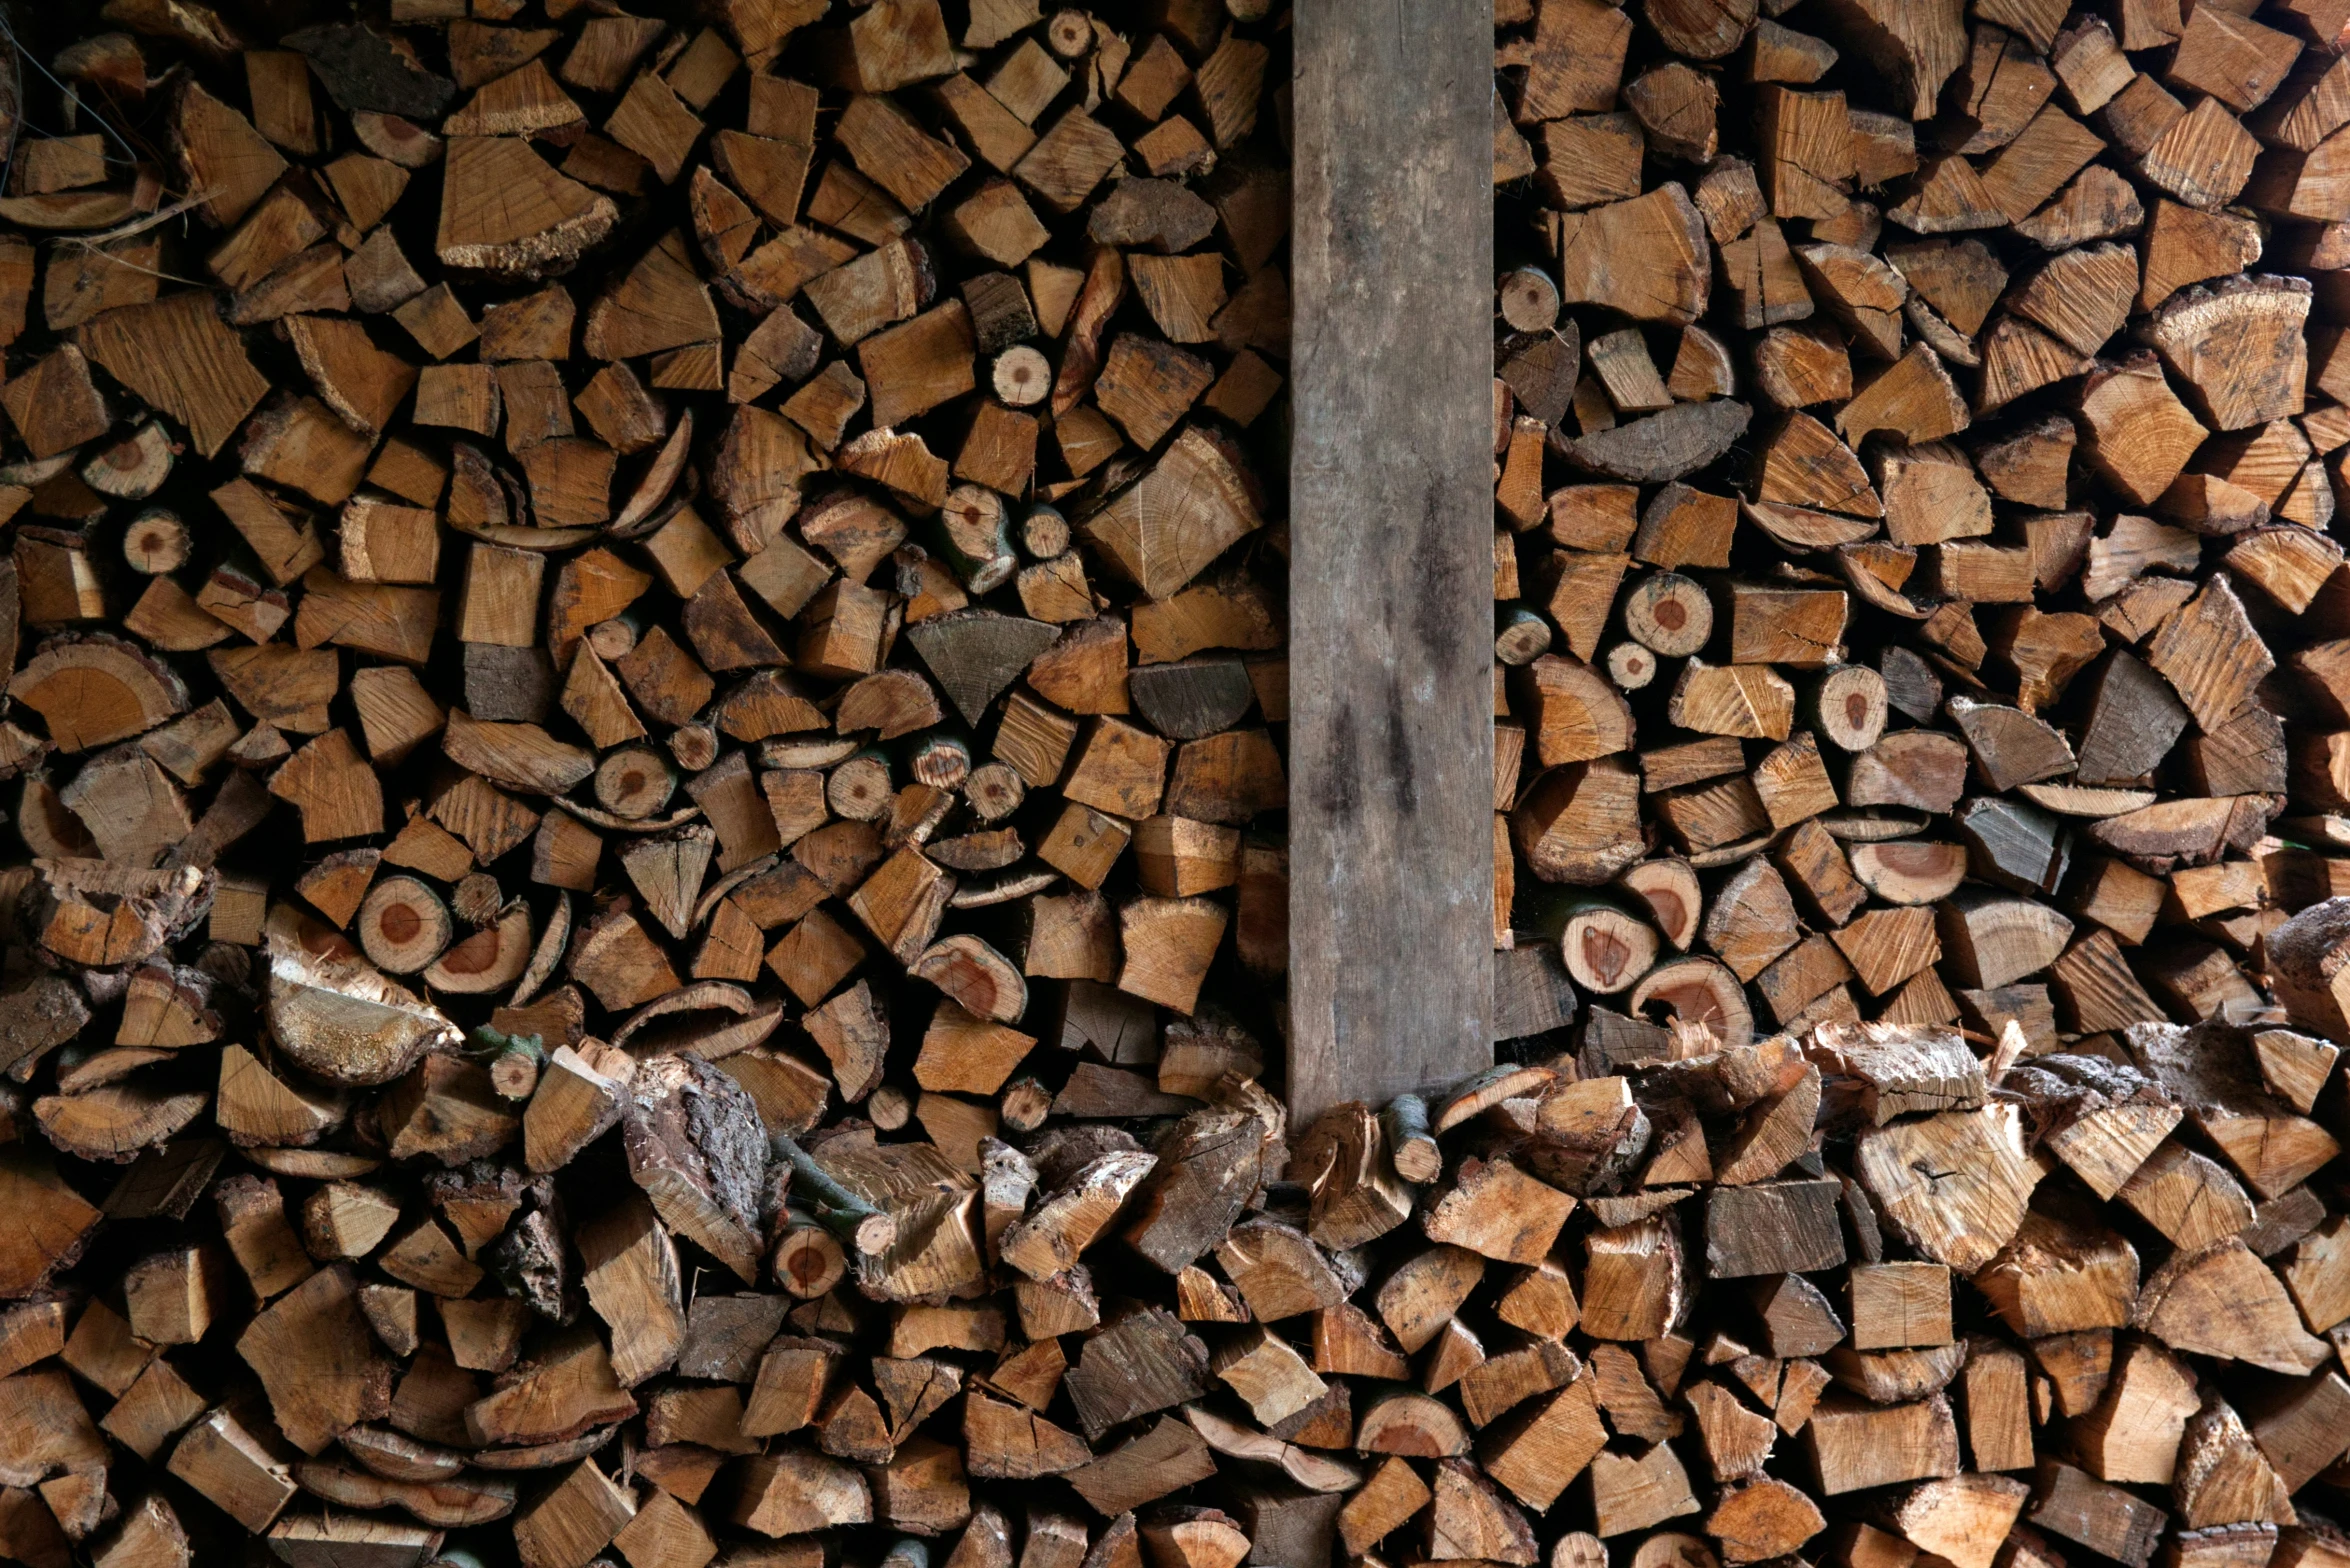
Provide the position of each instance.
(976, 654)
(1158, 215)
(363, 71)
(1146, 1362)
(1193, 697)
(697, 1147)
(1665, 446)
(1788, 1227)
(1209, 1167)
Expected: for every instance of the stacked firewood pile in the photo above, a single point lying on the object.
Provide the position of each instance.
(1917, 434)
(583, 695)
(589, 596)
(1916, 441)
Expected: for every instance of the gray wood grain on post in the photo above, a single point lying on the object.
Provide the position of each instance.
(1391, 567)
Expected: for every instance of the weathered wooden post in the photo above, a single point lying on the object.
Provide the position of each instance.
(1391, 729)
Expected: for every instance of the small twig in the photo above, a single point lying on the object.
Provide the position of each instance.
(1410, 1145)
(488, 1042)
(23, 54)
(834, 1206)
(132, 266)
(142, 225)
(514, 1060)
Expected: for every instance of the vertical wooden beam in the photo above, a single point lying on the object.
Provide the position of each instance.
(1391, 517)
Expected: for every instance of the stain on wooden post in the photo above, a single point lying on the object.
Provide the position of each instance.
(1391, 725)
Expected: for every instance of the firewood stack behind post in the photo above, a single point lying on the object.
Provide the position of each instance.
(650, 735)
(1916, 443)
(636, 643)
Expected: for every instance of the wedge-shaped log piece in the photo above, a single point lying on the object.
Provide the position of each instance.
(345, 1023)
(1961, 1520)
(1058, 1231)
(1408, 1423)
(1144, 1363)
(2209, 652)
(2083, 295)
(1647, 257)
(796, 1492)
(1914, 398)
(1736, 1438)
(2069, 1502)
(1468, 1518)
(2240, 347)
(2011, 747)
(1577, 714)
(2139, 436)
(1855, 1445)
(2133, 1434)
(2224, 1302)
(2222, 1478)
(1663, 446)
(1993, 941)
(1497, 1210)
(1004, 1442)
(976, 654)
(2058, 1277)
(1954, 1185)
(2099, 1117)
(1167, 1457)
(1197, 501)
(1394, 1494)
(178, 355)
(1540, 1448)
(1424, 1292)
(314, 1354)
(1207, 1172)
(566, 1389)
(97, 689)
(1781, 1227)
(114, 1121)
(505, 211)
